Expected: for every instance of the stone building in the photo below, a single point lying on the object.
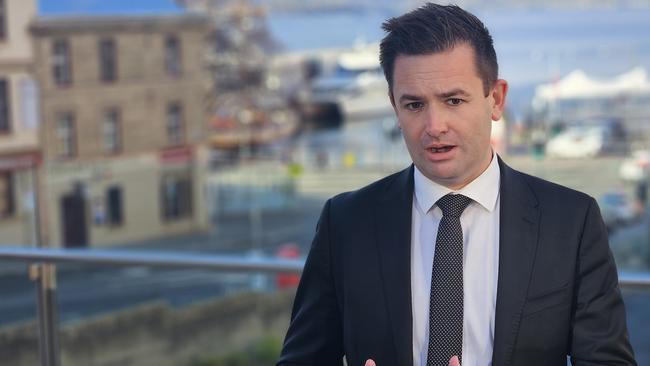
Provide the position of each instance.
(19, 151)
(123, 127)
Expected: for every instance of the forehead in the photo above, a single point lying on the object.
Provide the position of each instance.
(455, 67)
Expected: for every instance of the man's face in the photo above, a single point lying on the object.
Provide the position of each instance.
(444, 114)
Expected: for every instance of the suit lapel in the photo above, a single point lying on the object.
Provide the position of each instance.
(393, 228)
(517, 244)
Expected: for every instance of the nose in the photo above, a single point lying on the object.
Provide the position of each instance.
(436, 124)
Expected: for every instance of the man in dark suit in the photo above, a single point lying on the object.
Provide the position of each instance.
(459, 258)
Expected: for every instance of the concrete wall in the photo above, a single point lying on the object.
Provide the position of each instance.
(156, 334)
(23, 109)
(19, 229)
(15, 67)
(18, 46)
(139, 176)
(142, 93)
(143, 110)
(142, 90)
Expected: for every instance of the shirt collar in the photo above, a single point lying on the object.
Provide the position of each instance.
(484, 189)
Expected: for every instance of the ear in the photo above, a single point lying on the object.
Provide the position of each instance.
(499, 92)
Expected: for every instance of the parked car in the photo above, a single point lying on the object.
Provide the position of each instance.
(616, 209)
(577, 142)
(636, 167)
(589, 139)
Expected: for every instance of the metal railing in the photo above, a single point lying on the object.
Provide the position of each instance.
(151, 259)
(42, 270)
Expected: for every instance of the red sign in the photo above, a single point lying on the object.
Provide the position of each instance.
(19, 161)
(175, 155)
(287, 280)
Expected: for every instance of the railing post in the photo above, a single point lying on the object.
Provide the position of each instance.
(44, 274)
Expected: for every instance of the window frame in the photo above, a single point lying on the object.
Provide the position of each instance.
(176, 194)
(112, 116)
(4, 28)
(61, 63)
(114, 216)
(5, 106)
(67, 146)
(8, 176)
(175, 123)
(173, 55)
(107, 55)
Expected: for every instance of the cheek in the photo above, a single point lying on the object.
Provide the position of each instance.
(475, 131)
(411, 129)
(411, 137)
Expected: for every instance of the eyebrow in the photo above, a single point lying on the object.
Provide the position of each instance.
(410, 97)
(458, 92)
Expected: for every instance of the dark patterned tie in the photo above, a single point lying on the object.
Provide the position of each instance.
(446, 302)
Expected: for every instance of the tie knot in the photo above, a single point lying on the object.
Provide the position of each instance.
(453, 204)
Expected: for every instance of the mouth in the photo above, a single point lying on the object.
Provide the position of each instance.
(441, 149)
(440, 152)
(438, 149)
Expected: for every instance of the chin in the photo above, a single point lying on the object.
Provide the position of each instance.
(440, 170)
(441, 177)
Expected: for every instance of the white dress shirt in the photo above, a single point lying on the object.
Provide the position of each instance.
(480, 222)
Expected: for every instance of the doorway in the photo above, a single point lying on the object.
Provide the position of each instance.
(75, 226)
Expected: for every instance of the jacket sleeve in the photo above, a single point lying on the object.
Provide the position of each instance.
(599, 328)
(315, 332)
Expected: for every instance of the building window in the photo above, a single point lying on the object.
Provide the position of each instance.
(112, 131)
(6, 195)
(66, 135)
(61, 63)
(107, 60)
(3, 20)
(172, 56)
(114, 204)
(5, 121)
(176, 194)
(175, 123)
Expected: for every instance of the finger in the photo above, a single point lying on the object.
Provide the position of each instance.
(370, 363)
(454, 361)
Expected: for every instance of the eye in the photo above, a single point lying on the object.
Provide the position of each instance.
(455, 101)
(413, 106)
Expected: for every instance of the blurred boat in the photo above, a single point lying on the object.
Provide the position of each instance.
(251, 128)
(355, 89)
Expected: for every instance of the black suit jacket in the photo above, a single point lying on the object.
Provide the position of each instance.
(557, 292)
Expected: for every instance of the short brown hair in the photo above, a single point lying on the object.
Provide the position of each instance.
(434, 28)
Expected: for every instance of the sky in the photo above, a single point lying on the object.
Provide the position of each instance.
(59, 7)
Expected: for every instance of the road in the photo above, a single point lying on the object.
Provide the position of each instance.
(84, 291)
